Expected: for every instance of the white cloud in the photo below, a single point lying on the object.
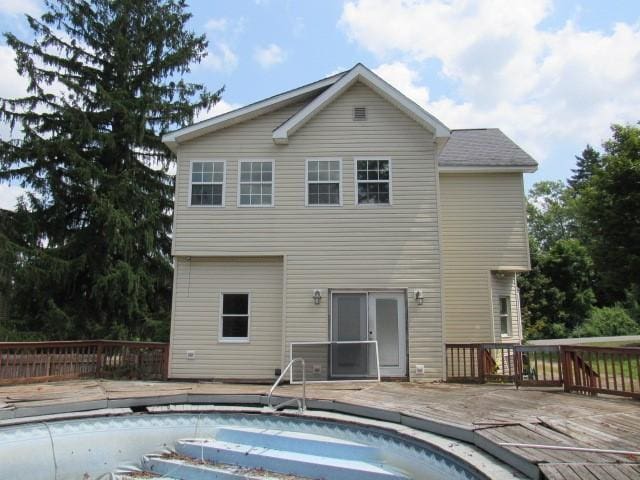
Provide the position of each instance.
(270, 55)
(19, 7)
(216, 24)
(218, 109)
(539, 84)
(221, 59)
(404, 79)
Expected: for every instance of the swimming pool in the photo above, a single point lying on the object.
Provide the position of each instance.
(306, 446)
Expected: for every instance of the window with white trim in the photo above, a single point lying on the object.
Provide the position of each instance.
(234, 317)
(505, 316)
(324, 182)
(373, 181)
(207, 183)
(256, 183)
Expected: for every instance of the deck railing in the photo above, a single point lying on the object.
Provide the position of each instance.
(538, 365)
(22, 362)
(609, 370)
(588, 370)
(465, 362)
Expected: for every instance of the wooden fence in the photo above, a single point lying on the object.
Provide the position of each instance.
(22, 362)
(587, 370)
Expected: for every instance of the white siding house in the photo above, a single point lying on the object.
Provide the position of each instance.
(344, 190)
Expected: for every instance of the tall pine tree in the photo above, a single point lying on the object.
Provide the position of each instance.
(586, 166)
(105, 84)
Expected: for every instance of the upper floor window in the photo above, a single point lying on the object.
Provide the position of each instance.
(207, 183)
(255, 183)
(373, 178)
(505, 320)
(324, 178)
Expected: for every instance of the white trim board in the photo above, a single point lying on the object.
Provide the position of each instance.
(486, 169)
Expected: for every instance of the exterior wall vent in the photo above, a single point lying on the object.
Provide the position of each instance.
(359, 113)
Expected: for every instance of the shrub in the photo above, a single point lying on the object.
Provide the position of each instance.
(607, 322)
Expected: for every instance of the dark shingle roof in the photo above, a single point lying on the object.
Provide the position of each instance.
(483, 147)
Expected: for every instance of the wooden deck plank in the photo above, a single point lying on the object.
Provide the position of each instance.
(496, 412)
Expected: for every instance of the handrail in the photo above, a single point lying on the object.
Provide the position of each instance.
(302, 401)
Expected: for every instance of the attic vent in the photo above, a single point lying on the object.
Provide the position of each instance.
(359, 113)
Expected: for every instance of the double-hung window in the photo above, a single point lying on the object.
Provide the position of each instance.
(324, 178)
(505, 320)
(255, 183)
(207, 183)
(234, 317)
(373, 179)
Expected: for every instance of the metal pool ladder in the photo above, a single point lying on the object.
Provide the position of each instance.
(301, 401)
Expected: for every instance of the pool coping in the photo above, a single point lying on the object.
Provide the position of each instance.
(255, 403)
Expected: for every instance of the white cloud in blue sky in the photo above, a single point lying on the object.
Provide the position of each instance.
(541, 85)
(552, 74)
(270, 55)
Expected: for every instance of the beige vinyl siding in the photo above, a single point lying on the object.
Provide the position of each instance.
(329, 247)
(199, 284)
(483, 229)
(504, 284)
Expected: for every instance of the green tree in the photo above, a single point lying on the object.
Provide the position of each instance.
(557, 294)
(586, 166)
(550, 213)
(607, 322)
(105, 84)
(609, 214)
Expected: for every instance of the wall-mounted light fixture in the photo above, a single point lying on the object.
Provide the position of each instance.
(500, 275)
(317, 296)
(418, 296)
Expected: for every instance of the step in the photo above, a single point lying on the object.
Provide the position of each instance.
(298, 442)
(184, 470)
(286, 462)
(141, 475)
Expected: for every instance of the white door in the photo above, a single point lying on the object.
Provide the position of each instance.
(388, 325)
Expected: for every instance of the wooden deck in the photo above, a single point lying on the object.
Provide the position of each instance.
(491, 413)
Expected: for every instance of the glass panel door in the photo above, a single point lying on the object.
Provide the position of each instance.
(387, 325)
(349, 322)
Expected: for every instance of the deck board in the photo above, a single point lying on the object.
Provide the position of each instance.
(497, 413)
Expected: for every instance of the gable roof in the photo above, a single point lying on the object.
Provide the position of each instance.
(468, 150)
(474, 149)
(377, 84)
(172, 139)
(325, 91)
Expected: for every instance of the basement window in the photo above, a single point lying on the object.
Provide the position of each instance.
(234, 317)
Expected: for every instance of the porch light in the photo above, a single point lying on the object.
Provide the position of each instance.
(419, 296)
(317, 296)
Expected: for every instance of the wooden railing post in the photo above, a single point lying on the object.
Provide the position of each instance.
(165, 362)
(567, 374)
(98, 359)
(481, 366)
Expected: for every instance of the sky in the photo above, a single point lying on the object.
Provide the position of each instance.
(553, 75)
